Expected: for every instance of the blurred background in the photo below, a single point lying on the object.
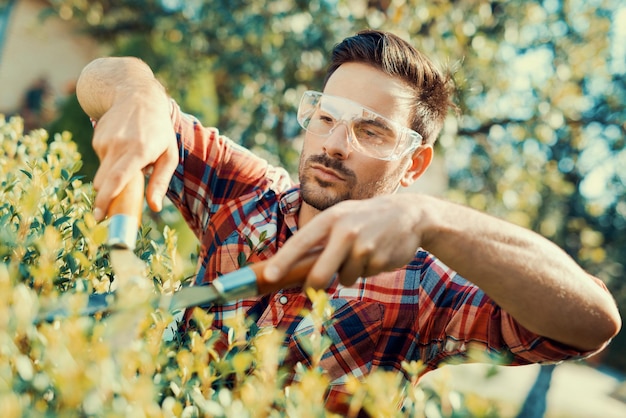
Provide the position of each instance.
(541, 86)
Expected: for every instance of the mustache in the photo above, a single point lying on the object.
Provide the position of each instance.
(331, 163)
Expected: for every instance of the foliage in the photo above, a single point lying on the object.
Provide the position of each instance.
(133, 362)
(73, 119)
(541, 84)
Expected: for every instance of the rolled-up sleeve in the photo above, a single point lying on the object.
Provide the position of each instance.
(456, 316)
(213, 170)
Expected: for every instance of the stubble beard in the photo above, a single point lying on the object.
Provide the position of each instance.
(321, 194)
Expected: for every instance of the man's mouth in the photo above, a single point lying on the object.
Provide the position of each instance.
(327, 174)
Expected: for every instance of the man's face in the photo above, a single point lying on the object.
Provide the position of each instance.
(330, 170)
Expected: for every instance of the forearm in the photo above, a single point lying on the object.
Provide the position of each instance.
(528, 276)
(106, 81)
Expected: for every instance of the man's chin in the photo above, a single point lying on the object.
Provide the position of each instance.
(321, 198)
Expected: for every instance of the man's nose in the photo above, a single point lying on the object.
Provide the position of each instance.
(337, 144)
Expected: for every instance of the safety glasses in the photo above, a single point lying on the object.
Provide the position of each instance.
(369, 133)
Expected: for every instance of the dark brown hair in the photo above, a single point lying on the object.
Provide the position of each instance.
(432, 89)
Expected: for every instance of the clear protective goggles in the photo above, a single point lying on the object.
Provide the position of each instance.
(369, 133)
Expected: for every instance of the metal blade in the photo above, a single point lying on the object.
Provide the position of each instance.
(105, 302)
(130, 269)
(126, 265)
(235, 285)
(190, 296)
(97, 303)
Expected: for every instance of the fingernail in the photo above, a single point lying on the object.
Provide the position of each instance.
(272, 273)
(98, 214)
(158, 196)
(155, 205)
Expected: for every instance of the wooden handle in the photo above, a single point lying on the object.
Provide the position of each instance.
(125, 215)
(295, 276)
(130, 200)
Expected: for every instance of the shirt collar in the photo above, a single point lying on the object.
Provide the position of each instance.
(290, 203)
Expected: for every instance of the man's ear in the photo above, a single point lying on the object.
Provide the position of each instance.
(420, 161)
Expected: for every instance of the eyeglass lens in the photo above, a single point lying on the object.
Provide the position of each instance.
(370, 132)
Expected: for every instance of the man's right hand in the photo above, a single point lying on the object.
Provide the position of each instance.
(133, 130)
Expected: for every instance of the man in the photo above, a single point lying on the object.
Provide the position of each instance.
(411, 277)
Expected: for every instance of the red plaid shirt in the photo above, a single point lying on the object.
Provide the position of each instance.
(424, 311)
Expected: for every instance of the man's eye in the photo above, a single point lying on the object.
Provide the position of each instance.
(326, 119)
(372, 133)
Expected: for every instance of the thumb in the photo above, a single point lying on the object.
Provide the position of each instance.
(155, 193)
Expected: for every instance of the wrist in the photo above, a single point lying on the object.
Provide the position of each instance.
(108, 81)
(425, 220)
(139, 85)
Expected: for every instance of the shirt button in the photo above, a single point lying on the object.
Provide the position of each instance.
(283, 299)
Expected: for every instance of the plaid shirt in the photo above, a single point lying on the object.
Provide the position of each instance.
(425, 311)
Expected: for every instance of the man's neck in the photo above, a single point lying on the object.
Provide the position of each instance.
(307, 212)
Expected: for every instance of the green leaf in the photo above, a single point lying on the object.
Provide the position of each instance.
(241, 259)
(28, 174)
(62, 220)
(71, 262)
(76, 232)
(47, 216)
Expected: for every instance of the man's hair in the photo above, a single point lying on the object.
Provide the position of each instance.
(431, 88)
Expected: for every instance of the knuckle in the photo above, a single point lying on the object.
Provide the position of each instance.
(364, 250)
(377, 264)
(350, 233)
(114, 177)
(98, 145)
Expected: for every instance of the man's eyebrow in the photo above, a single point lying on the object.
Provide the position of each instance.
(377, 122)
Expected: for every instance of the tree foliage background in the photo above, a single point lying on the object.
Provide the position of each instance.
(541, 85)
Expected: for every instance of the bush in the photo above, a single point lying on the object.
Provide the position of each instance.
(134, 362)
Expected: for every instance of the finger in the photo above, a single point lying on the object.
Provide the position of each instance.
(335, 254)
(104, 183)
(109, 182)
(351, 269)
(305, 240)
(160, 178)
(104, 134)
(358, 261)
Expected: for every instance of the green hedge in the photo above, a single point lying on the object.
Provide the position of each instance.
(117, 365)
